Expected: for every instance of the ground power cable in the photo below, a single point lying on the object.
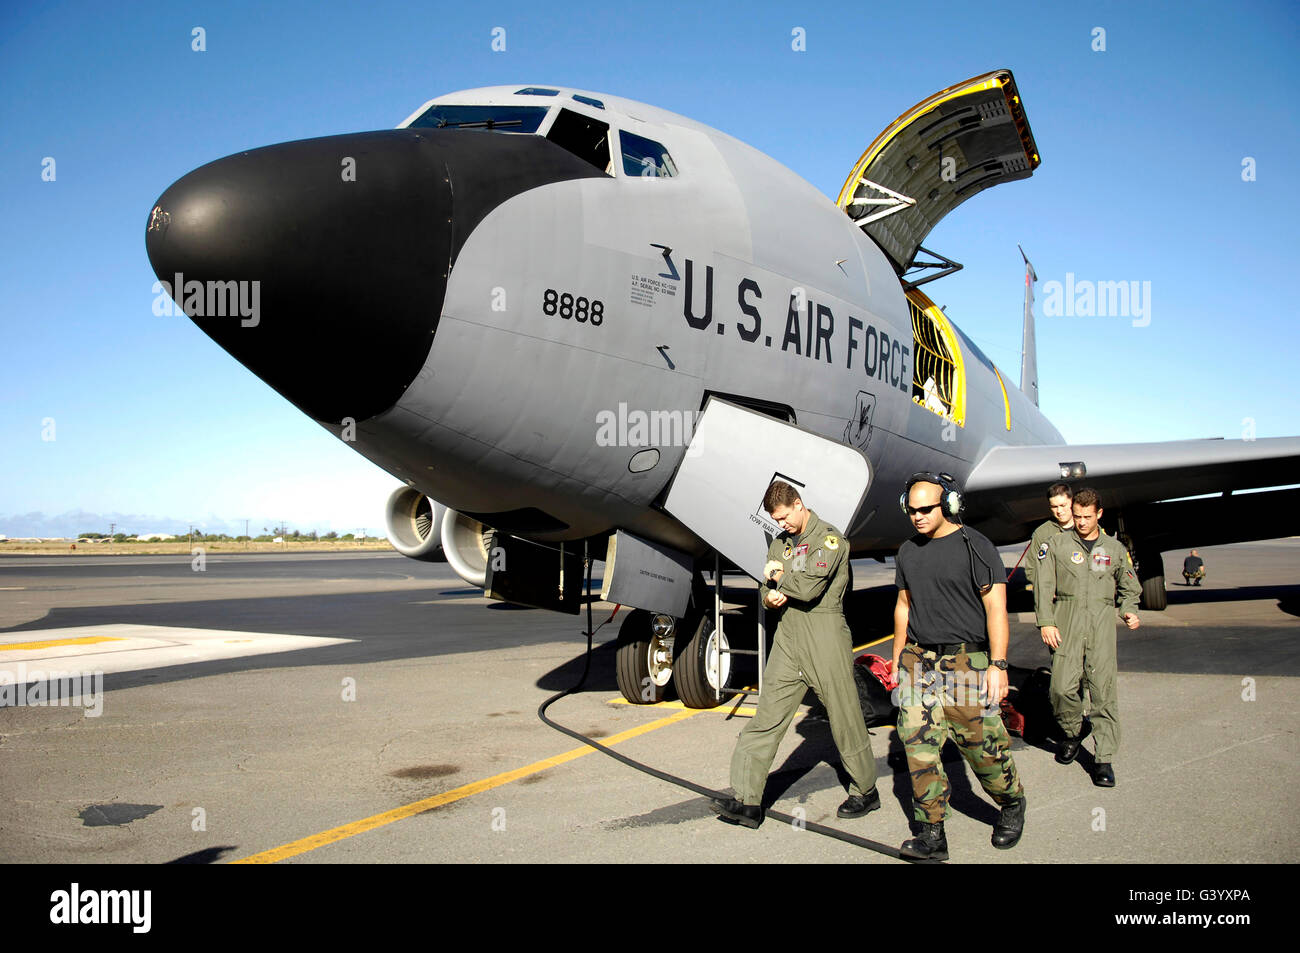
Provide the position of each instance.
(794, 822)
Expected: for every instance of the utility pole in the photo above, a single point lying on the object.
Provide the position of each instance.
(111, 527)
(248, 540)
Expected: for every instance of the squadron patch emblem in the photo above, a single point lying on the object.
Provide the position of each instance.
(1042, 551)
(789, 551)
(832, 542)
(1076, 557)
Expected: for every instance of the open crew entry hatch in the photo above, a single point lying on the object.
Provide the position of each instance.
(733, 457)
(945, 149)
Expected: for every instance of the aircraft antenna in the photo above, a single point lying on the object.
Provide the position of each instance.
(1028, 349)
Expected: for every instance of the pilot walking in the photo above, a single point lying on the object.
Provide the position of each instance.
(1084, 574)
(1059, 498)
(807, 571)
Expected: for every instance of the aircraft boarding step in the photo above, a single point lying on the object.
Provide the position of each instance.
(723, 669)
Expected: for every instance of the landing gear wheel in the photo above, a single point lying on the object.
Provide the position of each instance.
(1154, 596)
(1150, 568)
(643, 663)
(701, 668)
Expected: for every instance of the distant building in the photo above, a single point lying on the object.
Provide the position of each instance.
(153, 537)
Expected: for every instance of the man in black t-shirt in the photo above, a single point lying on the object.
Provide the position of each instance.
(1193, 568)
(950, 655)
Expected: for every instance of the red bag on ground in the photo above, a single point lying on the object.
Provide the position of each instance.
(878, 667)
(1014, 721)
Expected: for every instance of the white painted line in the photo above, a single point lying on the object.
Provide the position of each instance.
(137, 648)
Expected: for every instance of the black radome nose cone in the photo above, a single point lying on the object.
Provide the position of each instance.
(322, 265)
(339, 250)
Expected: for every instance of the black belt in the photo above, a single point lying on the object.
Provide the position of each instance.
(952, 648)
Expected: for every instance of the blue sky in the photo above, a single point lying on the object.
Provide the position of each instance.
(1141, 180)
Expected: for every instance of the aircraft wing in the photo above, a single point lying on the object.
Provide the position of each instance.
(1006, 489)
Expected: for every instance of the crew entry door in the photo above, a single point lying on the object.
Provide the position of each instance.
(734, 456)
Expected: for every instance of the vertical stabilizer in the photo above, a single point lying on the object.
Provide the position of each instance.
(1028, 350)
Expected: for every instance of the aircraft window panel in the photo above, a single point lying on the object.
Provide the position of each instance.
(585, 137)
(589, 101)
(645, 157)
(536, 91)
(519, 119)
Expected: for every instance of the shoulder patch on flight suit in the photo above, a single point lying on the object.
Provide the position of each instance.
(832, 541)
(1076, 557)
(1042, 551)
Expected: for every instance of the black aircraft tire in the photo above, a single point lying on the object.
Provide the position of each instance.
(1154, 596)
(689, 675)
(631, 661)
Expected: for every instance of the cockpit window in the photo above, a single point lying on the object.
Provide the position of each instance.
(645, 157)
(589, 101)
(494, 118)
(536, 91)
(585, 137)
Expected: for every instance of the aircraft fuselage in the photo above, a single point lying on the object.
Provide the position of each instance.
(584, 321)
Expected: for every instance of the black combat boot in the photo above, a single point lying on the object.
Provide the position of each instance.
(1010, 825)
(1069, 749)
(1103, 775)
(929, 844)
(856, 805)
(733, 812)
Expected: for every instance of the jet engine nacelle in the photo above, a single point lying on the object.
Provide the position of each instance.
(424, 529)
(414, 524)
(465, 543)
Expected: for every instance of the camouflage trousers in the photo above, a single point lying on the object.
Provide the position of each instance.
(941, 695)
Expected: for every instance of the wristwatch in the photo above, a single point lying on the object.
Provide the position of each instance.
(999, 663)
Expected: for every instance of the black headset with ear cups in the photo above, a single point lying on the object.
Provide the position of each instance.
(951, 499)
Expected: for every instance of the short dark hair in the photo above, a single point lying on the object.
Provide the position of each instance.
(1060, 489)
(1087, 496)
(779, 493)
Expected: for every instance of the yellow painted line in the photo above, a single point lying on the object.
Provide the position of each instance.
(859, 648)
(333, 835)
(56, 643)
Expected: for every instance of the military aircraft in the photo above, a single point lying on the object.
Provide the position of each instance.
(582, 324)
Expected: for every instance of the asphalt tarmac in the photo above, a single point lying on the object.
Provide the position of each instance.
(369, 708)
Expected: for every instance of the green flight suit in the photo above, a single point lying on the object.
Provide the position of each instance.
(1038, 548)
(1077, 592)
(812, 648)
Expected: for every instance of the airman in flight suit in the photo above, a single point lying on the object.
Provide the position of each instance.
(812, 648)
(1084, 575)
(1059, 498)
